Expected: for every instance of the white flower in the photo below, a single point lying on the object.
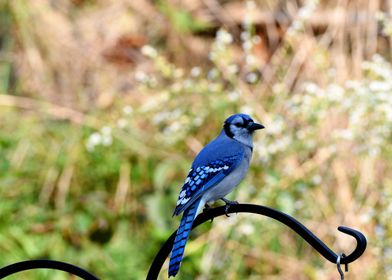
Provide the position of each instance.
(250, 60)
(262, 152)
(279, 88)
(295, 26)
(357, 115)
(251, 77)
(245, 35)
(374, 151)
(302, 134)
(89, 147)
(247, 110)
(276, 127)
(250, 5)
(344, 134)
(106, 130)
(380, 16)
(189, 83)
(141, 76)
(94, 140)
(247, 45)
(224, 37)
(385, 97)
(159, 117)
(195, 71)
(304, 13)
(352, 84)
(107, 140)
(233, 68)
(175, 126)
(378, 58)
(307, 100)
(311, 87)
(335, 92)
(316, 179)
(149, 51)
(122, 123)
(213, 87)
(127, 110)
(176, 87)
(379, 86)
(246, 229)
(175, 114)
(197, 121)
(234, 95)
(378, 66)
(178, 73)
(212, 74)
(282, 143)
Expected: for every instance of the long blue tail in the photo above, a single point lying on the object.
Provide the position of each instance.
(181, 237)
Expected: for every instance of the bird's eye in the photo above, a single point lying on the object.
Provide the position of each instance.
(238, 125)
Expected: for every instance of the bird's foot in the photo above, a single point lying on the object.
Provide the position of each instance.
(228, 204)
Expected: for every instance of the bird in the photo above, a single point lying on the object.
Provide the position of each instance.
(218, 168)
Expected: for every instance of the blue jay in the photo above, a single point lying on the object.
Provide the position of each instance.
(216, 171)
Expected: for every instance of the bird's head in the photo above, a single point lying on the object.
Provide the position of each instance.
(241, 127)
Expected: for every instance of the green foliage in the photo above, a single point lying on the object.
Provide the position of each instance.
(181, 19)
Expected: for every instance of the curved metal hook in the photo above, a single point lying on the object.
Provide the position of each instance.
(50, 264)
(299, 228)
(338, 263)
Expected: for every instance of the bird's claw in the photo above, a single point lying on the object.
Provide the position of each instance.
(228, 204)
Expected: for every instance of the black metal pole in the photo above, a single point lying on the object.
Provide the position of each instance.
(292, 223)
(49, 264)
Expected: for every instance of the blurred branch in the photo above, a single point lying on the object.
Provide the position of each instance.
(56, 111)
(319, 19)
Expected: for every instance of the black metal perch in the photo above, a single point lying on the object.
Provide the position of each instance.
(292, 223)
(163, 253)
(48, 264)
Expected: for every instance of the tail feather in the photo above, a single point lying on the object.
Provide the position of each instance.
(181, 238)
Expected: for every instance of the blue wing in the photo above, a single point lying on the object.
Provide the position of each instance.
(213, 163)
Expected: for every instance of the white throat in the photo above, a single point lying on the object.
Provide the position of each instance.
(246, 139)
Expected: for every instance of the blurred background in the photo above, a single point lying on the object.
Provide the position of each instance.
(104, 104)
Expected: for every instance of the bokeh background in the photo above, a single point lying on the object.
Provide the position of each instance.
(104, 104)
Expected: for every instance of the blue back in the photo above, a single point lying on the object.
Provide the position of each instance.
(219, 148)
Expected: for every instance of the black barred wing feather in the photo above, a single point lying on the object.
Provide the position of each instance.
(201, 178)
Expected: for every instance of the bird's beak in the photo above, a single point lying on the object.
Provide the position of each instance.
(255, 126)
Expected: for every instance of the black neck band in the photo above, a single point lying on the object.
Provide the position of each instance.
(228, 132)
